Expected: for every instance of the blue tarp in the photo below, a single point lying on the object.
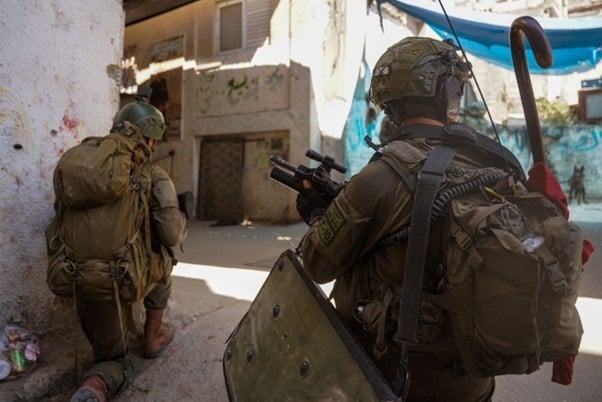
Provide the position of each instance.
(576, 42)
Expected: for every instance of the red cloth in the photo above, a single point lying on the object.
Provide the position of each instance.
(543, 181)
(562, 370)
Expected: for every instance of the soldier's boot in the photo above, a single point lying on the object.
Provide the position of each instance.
(93, 389)
(157, 334)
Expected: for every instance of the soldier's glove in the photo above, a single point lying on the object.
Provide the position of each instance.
(186, 203)
(312, 205)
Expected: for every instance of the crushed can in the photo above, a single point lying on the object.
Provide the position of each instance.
(17, 359)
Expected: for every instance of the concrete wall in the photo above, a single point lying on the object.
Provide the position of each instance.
(298, 80)
(59, 79)
(257, 91)
(566, 147)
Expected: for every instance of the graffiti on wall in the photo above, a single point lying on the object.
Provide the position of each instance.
(566, 147)
(220, 92)
(167, 49)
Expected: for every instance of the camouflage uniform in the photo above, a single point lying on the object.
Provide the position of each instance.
(102, 322)
(343, 247)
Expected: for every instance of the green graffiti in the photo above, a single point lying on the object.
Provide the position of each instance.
(274, 79)
(234, 86)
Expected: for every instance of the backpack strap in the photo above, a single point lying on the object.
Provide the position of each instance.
(406, 176)
(429, 180)
(461, 136)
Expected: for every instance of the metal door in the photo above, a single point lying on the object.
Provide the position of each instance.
(220, 178)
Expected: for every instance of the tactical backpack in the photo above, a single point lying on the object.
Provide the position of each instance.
(98, 243)
(513, 268)
(511, 264)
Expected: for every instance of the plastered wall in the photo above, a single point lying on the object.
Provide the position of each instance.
(59, 75)
(298, 80)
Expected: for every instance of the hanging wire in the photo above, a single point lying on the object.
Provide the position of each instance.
(442, 202)
(474, 77)
(497, 137)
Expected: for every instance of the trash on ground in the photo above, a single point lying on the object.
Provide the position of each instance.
(19, 352)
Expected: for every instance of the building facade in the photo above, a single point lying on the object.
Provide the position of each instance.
(246, 80)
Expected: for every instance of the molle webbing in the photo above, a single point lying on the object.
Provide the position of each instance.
(461, 136)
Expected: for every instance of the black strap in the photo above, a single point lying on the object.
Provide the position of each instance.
(429, 180)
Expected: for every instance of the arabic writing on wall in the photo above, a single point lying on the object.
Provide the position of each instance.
(247, 90)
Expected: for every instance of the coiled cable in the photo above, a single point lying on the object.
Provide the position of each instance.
(442, 202)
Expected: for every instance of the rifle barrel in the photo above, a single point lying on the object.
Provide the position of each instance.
(287, 179)
(281, 162)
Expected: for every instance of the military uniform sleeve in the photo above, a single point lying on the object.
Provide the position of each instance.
(330, 247)
(170, 223)
(351, 225)
(373, 204)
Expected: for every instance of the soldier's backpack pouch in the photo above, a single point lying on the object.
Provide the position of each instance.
(513, 269)
(95, 172)
(99, 264)
(99, 183)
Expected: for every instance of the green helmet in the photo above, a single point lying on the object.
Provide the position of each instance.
(145, 116)
(420, 68)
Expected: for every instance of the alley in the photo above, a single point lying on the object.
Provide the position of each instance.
(220, 271)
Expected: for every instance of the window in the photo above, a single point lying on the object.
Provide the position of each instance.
(590, 105)
(230, 26)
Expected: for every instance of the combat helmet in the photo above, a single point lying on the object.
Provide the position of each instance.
(419, 76)
(144, 115)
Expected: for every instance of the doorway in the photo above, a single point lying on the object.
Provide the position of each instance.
(220, 177)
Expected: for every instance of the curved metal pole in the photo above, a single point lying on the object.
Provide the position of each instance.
(543, 54)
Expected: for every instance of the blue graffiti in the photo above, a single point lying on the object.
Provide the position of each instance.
(574, 145)
(587, 142)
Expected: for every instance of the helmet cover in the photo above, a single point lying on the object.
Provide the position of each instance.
(145, 116)
(417, 67)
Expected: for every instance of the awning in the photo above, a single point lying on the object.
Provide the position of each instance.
(576, 42)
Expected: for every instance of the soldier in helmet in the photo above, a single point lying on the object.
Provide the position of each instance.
(418, 82)
(104, 322)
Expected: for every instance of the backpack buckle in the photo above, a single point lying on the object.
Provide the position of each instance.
(70, 268)
(462, 239)
(556, 276)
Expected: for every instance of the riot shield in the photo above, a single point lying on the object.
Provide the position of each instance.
(291, 346)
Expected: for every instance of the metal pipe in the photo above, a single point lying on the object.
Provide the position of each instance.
(540, 45)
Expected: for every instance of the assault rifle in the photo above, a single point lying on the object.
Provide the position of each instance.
(292, 177)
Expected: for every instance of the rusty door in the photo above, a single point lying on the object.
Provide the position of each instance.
(220, 176)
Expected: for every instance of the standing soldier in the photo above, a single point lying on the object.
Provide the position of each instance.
(418, 82)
